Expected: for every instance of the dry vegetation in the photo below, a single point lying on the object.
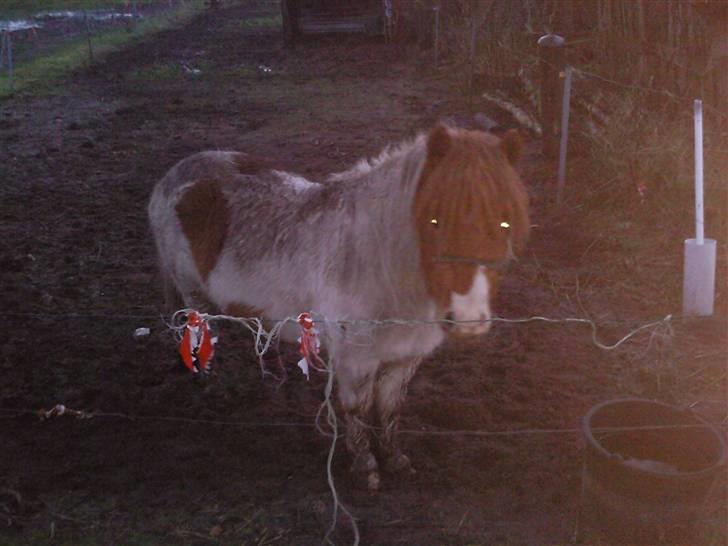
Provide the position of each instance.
(638, 66)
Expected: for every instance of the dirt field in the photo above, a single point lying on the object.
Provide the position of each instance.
(159, 464)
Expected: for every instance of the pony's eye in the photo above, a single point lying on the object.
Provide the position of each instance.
(434, 222)
(505, 225)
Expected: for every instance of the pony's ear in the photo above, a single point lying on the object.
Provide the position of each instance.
(512, 146)
(439, 142)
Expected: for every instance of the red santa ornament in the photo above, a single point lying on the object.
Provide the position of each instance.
(310, 344)
(197, 346)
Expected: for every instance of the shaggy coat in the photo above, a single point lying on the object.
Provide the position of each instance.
(422, 233)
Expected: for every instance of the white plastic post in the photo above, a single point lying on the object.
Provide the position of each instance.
(699, 221)
(699, 278)
(699, 264)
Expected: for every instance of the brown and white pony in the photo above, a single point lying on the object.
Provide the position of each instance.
(423, 232)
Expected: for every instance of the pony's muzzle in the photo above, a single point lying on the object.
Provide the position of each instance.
(466, 327)
(471, 327)
(471, 311)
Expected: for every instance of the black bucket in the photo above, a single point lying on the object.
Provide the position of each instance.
(647, 485)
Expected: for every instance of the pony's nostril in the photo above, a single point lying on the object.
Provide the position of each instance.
(449, 315)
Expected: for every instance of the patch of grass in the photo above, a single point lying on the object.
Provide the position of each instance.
(26, 8)
(159, 72)
(42, 72)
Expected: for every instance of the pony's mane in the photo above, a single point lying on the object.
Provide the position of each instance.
(389, 153)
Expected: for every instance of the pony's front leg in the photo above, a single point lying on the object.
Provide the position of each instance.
(390, 390)
(355, 379)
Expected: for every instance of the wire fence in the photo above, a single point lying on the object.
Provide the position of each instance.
(50, 37)
(264, 338)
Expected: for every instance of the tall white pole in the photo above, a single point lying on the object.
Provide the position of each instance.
(699, 220)
(699, 268)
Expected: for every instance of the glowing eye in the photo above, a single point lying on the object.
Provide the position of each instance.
(505, 225)
(434, 221)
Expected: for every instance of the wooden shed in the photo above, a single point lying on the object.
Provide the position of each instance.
(302, 17)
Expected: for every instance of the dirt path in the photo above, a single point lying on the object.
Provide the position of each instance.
(77, 170)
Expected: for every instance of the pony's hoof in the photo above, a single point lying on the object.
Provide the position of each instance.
(369, 481)
(373, 481)
(400, 464)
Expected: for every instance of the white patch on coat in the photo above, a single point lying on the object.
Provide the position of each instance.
(474, 305)
(295, 182)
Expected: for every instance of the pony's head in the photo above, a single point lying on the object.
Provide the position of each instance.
(471, 213)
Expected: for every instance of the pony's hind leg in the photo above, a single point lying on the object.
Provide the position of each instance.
(355, 382)
(390, 390)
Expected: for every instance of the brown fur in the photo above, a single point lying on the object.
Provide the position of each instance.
(469, 186)
(248, 165)
(204, 214)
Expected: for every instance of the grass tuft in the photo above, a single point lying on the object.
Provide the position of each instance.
(41, 74)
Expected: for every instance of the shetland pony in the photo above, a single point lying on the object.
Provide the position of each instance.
(423, 232)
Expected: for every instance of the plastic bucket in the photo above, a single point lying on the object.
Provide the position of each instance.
(648, 469)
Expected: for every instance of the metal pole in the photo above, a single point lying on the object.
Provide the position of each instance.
(2, 47)
(699, 221)
(9, 49)
(472, 59)
(134, 14)
(552, 60)
(564, 134)
(88, 37)
(436, 9)
(387, 21)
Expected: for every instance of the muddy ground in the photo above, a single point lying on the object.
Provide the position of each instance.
(171, 458)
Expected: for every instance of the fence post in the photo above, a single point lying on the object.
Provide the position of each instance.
(88, 37)
(9, 54)
(388, 21)
(472, 57)
(552, 59)
(561, 178)
(436, 9)
(290, 14)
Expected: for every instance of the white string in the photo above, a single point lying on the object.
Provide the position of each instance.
(334, 424)
(264, 338)
(14, 412)
(260, 332)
